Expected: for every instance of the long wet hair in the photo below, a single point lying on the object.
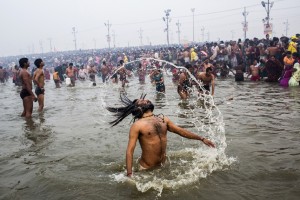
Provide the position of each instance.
(130, 107)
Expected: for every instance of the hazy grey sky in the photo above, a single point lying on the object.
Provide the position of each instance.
(28, 25)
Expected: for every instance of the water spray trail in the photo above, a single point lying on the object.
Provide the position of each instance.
(186, 170)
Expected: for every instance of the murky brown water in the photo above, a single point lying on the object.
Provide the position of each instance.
(70, 152)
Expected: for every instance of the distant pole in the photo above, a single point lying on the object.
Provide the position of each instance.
(141, 36)
(245, 23)
(50, 44)
(108, 25)
(114, 38)
(75, 40)
(167, 20)
(245, 29)
(286, 27)
(178, 30)
(202, 30)
(193, 11)
(267, 6)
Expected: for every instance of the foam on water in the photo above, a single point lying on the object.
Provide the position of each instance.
(187, 165)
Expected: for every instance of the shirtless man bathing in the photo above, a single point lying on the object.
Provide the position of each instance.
(39, 80)
(151, 132)
(207, 78)
(26, 93)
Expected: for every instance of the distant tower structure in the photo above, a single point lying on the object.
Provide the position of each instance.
(108, 25)
(178, 30)
(74, 34)
(245, 23)
(141, 36)
(167, 20)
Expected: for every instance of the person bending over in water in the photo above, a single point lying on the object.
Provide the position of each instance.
(151, 132)
(208, 79)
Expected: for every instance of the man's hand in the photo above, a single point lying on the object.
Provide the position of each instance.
(208, 143)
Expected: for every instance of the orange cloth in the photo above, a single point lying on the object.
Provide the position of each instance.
(288, 61)
(55, 76)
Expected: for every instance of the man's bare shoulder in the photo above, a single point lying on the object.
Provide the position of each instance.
(201, 74)
(38, 72)
(137, 124)
(23, 73)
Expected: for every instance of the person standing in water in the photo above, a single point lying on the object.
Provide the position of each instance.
(92, 71)
(141, 71)
(158, 78)
(104, 71)
(39, 80)
(2, 79)
(184, 83)
(151, 132)
(254, 71)
(70, 74)
(26, 93)
(56, 79)
(123, 73)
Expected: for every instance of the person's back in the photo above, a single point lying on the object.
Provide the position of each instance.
(55, 76)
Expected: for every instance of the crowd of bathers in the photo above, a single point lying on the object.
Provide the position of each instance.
(269, 59)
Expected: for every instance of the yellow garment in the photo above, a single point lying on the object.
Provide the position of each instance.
(125, 59)
(294, 37)
(292, 47)
(194, 56)
(55, 76)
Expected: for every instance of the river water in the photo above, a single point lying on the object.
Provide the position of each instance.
(69, 151)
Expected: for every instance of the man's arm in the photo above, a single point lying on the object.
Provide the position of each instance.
(36, 78)
(133, 136)
(185, 133)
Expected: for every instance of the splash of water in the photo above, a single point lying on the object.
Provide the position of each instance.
(188, 165)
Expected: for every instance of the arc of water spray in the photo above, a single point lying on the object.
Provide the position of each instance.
(172, 64)
(142, 58)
